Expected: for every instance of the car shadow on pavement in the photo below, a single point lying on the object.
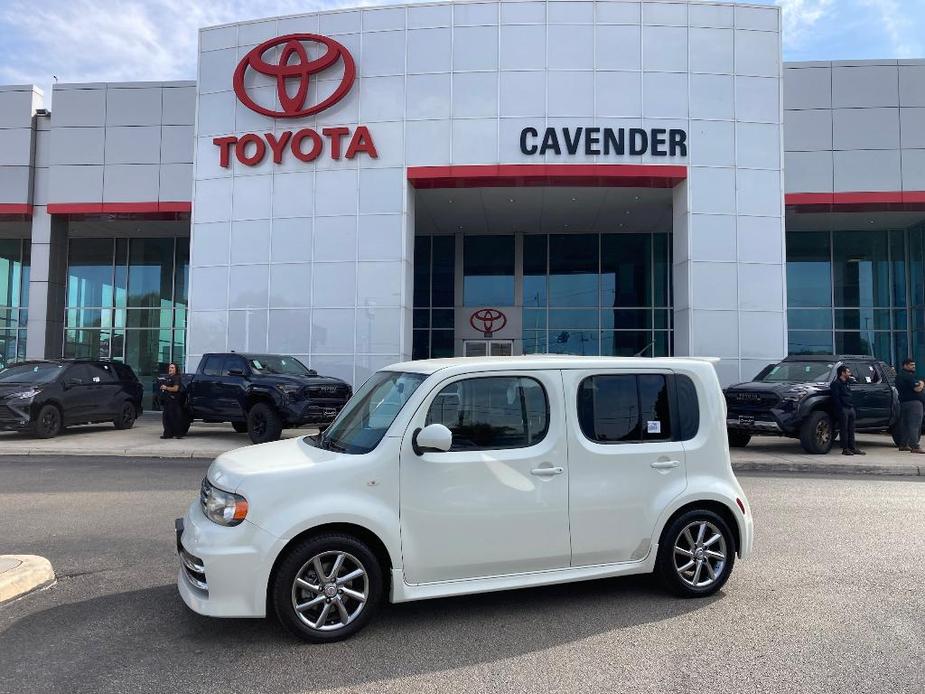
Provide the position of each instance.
(124, 639)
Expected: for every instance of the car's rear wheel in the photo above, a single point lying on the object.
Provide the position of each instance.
(817, 433)
(263, 423)
(327, 588)
(240, 427)
(739, 439)
(696, 554)
(48, 423)
(126, 417)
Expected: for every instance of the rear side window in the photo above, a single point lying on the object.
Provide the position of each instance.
(492, 413)
(213, 365)
(124, 372)
(625, 408)
(101, 373)
(687, 422)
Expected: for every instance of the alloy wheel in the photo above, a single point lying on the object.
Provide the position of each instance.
(330, 590)
(259, 425)
(700, 554)
(49, 421)
(823, 433)
(128, 415)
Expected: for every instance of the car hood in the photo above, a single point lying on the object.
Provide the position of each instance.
(777, 388)
(279, 379)
(230, 470)
(11, 388)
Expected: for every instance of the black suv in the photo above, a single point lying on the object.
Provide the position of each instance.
(43, 397)
(792, 399)
(261, 393)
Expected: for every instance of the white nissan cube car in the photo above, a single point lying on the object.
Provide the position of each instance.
(457, 476)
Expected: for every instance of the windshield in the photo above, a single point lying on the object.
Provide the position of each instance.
(799, 372)
(270, 364)
(31, 373)
(370, 412)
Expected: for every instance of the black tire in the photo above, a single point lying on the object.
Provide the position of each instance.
(263, 423)
(126, 417)
(738, 439)
(48, 423)
(894, 432)
(670, 573)
(817, 433)
(284, 592)
(239, 427)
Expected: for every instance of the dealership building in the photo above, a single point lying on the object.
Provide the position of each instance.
(359, 187)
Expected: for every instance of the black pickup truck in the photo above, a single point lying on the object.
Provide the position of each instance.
(792, 399)
(261, 394)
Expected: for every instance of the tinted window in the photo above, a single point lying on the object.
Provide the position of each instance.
(31, 373)
(608, 408)
(233, 363)
(213, 365)
(864, 373)
(124, 372)
(625, 408)
(492, 413)
(100, 373)
(79, 373)
(687, 422)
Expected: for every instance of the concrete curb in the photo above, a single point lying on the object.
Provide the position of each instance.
(828, 468)
(23, 573)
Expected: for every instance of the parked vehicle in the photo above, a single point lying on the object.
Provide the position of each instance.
(43, 397)
(792, 399)
(260, 394)
(458, 476)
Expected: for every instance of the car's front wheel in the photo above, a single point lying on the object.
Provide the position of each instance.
(263, 423)
(695, 554)
(327, 588)
(48, 423)
(817, 433)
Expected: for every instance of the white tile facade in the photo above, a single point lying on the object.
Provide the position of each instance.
(455, 83)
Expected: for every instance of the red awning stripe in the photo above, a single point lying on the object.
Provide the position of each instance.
(119, 207)
(517, 175)
(860, 201)
(15, 208)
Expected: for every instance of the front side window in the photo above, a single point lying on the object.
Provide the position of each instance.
(234, 364)
(213, 366)
(864, 374)
(492, 413)
(625, 408)
(363, 422)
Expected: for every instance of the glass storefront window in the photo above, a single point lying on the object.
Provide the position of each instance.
(574, 270)
(14, 298)
(625, 280)
(488, 270)
(862, 269)
(809, 269)
(434, 290)
(535, 270)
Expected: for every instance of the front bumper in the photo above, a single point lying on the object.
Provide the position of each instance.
(751, 424)
(223, 571)
(15, 417)
(300, 413)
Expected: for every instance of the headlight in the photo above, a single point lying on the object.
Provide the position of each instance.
(25, 394)
(291, 390)
(795, 395)
(224, 508)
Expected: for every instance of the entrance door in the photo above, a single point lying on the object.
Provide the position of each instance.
(488, 348)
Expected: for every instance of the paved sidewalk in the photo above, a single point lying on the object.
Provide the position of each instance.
(763, 454)
(23, 573)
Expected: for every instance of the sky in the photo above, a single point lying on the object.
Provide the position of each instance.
(137, 40)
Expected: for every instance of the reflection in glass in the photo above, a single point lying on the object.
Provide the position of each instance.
(574, 273)
(14, 296)
(626, 272)
(535, 270)
(862, 271)
(488, 270)
(583, 342)
(809, 269)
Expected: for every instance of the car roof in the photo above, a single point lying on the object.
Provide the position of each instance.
(830, 357)
(545, 361)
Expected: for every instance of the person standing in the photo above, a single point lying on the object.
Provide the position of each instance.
(171, 415)
(843, 405)
(910, 407)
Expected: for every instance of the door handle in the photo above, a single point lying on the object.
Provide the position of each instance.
(665, 464)
(547, 471)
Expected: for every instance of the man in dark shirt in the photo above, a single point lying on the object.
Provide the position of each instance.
(843, 405)
(910, 407)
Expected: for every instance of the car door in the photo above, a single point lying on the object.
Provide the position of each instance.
(203, 393)
(624, 465)
(103, 388)
(230, 387)
(496, 503)
(871, 396)
(77, 394)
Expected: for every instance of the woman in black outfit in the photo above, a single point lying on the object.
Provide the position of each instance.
(172, 416)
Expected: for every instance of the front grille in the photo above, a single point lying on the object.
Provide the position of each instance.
(325, 391)
(745, 400)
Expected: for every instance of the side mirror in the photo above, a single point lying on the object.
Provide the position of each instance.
(235, 372)
(434, 438)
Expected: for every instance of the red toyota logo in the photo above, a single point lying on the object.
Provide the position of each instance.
(299, 72)
(491, 320)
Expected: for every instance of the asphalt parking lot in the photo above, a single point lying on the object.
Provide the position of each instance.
(831, 601)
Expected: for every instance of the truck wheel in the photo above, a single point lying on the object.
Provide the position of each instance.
(240, 427)
(263, 423)
(817, 433)
(739, 439)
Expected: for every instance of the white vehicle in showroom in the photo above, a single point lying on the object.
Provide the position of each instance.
(458, 476)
